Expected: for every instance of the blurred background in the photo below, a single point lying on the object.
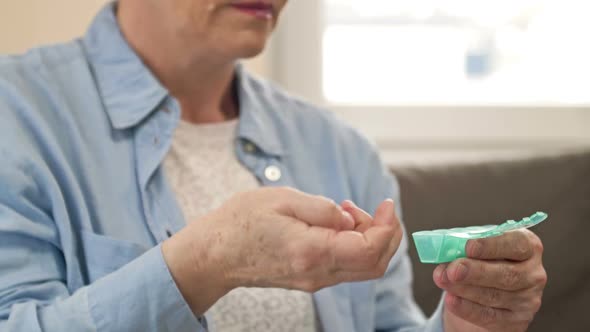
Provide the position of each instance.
(429, 81)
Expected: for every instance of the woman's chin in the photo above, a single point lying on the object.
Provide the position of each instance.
(250, 50)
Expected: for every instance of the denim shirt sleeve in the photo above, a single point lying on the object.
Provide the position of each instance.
(34, 295)
(141, 296)
(396, 309)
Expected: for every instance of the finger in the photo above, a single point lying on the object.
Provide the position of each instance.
(490, 297)
(365, 252)
(439, 276)
(478, 314)
(394, 244)
(385, 213)
(353, 253)
(315, 210)
(362, 220)
(378, 270)
(518, 245)
(361, 252)
(496, 274)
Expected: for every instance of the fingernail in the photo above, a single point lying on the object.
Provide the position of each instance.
(474, 248)
(441, 274)
(461, 272)
(444, 278)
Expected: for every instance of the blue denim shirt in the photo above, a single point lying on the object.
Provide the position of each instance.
(84, 203)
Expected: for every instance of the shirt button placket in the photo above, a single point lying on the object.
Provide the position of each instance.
(249, 147)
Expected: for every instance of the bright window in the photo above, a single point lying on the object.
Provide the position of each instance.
(444, 76)
(456, 52)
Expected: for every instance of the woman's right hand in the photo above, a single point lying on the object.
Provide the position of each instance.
(283, 238)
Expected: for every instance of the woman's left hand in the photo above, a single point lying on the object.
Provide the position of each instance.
(498, 287)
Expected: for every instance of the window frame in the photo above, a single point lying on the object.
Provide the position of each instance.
(298, 44)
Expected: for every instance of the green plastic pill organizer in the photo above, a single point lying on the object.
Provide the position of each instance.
(446, 245)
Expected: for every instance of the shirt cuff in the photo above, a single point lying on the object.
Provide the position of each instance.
(142, 296)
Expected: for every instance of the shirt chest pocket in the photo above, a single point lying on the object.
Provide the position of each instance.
(103, 254)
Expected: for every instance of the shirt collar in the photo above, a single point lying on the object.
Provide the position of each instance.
(127, 87)
(130, 92)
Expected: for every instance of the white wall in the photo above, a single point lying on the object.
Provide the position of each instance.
(27, 23)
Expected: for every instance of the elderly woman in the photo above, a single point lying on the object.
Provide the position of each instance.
(131, 200)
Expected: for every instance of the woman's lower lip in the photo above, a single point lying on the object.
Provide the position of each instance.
(256, 12)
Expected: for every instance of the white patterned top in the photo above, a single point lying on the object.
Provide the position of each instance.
(204, 172)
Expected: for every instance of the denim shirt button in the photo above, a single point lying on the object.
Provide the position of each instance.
(249, 147)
